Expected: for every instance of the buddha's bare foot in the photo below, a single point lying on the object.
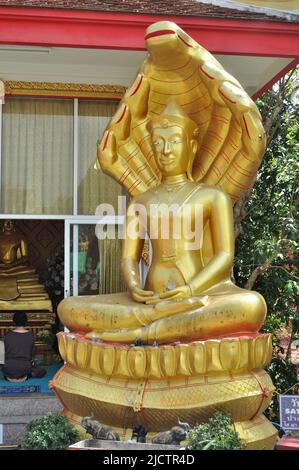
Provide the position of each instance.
(94, 335)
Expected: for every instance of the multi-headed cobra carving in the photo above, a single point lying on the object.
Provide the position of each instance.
(231, 139)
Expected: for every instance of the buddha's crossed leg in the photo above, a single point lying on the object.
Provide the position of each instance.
(217, 315)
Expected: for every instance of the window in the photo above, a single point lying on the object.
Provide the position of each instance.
(48, 157)
(37, 156)
(48, 152)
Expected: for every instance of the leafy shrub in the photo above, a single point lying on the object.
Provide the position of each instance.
(216, 434)
(284, 377)
(49, 432)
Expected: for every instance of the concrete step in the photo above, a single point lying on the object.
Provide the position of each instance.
(16, 412)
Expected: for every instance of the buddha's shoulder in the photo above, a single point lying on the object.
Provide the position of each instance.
(148, 195)
(140, 198)
(191, 189)
(206, 191)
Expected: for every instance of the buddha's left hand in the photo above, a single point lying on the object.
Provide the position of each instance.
(179, 293)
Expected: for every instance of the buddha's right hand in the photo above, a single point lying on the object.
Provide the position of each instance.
(140, 295)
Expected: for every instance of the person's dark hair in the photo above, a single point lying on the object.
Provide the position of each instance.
(20, 318)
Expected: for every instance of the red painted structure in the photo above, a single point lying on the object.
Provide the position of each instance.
(288, 443)
(73, 28)
(94, 29)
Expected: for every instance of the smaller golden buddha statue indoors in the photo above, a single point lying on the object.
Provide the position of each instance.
(19, 283)
(13, 247)
(186, 138)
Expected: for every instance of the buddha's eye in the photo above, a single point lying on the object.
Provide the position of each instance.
(157, 142)
(176, 141)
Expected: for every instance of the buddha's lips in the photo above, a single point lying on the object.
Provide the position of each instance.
(166, 161)
(164, 32)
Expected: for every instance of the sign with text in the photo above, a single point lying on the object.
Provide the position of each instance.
(289, 411)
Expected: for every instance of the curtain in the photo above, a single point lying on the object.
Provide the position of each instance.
(94, 187)
(37, 156)
(111, 280)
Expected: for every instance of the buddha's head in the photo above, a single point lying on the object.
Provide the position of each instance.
(174, 141)
(8, 226)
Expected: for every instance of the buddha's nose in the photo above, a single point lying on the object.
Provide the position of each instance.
(167, 148)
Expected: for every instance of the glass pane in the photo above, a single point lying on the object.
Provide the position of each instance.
(94, 187)
(96, 263)
(88, 260)
(37, 156)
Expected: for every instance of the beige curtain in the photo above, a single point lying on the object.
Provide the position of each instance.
(37, 156)
(94, 187)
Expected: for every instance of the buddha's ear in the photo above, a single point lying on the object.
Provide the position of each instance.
(193, 148)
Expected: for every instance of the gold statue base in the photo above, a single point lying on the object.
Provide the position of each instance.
(122, 386)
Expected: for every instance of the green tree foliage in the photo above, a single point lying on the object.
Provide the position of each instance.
(284, 376)
(266, 222)
(217, 434)
(49, 432)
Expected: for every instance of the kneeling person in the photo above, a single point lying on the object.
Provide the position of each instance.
(19, 352)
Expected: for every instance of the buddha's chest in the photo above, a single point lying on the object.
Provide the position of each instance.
(165, 222)
(8, 250)
(175, 215)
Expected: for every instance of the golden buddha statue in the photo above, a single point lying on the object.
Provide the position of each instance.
(19, 284)
(13, 247)
(186, 136)
(192, 300)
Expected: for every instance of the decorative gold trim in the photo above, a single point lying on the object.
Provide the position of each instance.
(70, 90)
(6, 317)
(198, 357)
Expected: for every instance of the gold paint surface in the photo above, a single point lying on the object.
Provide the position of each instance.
(197, 357)
(243, 395)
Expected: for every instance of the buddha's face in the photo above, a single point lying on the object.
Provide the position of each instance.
(173, 150)
(8, 226)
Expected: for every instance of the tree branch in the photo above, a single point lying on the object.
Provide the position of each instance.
(284, 269)
(257, 272)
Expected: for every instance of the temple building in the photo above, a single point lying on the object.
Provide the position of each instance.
(64, 66)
